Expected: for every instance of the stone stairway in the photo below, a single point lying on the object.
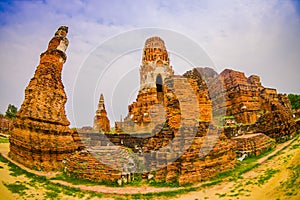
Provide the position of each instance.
(115, 157)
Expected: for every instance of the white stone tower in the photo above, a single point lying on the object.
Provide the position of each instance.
(155, 64)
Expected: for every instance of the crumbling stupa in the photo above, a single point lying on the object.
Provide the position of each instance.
(101, 121)
(163, 96)
(41, 138)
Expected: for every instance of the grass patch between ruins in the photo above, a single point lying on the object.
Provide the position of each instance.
(292, 185)
(16, 188)
(168, 194)
(78, 181)
(4, 140)
(269, 173)
(34, 182)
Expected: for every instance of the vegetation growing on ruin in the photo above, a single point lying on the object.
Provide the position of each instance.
(4, 140)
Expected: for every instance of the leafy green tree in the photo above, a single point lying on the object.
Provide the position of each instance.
(11, 112)
(295, 100)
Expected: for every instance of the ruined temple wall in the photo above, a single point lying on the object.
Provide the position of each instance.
(275, 124)
(143, 114)
(242, 96)
(253, 144)
(231, 78)
(197, 82)
(192, 164)
(84, 165)
(245, 98)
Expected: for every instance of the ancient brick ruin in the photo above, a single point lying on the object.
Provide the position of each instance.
(148, 110)
(253, 106)
(183, 128)
(101, 122)
(247, 100)
(230, 112)
(157, 156)
(168, 128)
(41, 138)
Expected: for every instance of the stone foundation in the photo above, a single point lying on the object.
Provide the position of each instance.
(84, 165)
(253, 144)
(168, 154)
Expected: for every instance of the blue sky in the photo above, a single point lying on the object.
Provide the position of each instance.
(257, 37)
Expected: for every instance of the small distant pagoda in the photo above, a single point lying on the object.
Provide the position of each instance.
(101, 121)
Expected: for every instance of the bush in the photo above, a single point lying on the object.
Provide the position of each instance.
(295, 101)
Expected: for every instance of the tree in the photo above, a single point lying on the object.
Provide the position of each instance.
(11, 112)
(295, 100)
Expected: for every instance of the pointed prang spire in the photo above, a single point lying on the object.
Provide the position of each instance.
(101, 122)
(101, 106)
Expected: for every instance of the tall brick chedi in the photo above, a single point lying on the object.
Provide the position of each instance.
(148, 110)
(101, 122)
(41, 138)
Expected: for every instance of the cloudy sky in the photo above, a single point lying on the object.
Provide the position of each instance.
(257, 37)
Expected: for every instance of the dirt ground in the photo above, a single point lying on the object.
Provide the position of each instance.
(274, 178)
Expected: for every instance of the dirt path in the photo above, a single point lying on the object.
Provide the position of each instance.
(278, 149)
(116, 190)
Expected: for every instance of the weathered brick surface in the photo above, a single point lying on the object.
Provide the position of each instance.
(277, 124)
(245, 98)
(253, 144)
(172, 154)
(85, 165)
(199, 85)
(41, 137)
(6, 125)
(194, 164)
